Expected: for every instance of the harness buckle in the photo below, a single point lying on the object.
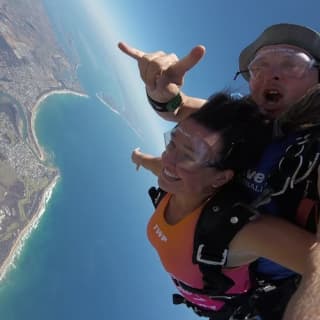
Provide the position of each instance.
(240, 315)
(211, 262)
(246, 318)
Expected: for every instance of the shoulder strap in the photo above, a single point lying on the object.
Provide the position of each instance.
(156, 194)
(220, 220)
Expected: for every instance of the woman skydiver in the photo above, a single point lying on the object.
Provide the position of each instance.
(203, 155)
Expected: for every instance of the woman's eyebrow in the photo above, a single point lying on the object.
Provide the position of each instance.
(186, 147)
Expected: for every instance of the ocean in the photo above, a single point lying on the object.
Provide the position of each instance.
(89, 257)
(75, 264)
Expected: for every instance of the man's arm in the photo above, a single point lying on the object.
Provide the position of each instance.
(305, 304)
(163, 75)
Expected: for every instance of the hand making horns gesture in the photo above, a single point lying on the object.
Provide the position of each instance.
(163, 73)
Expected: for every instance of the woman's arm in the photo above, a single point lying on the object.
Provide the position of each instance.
(274, 239)
(147, 161)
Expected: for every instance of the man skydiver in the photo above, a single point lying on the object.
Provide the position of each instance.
(281, 65)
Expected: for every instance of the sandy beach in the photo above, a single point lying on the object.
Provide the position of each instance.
(32, 224)
(36, 108)
(26, 231)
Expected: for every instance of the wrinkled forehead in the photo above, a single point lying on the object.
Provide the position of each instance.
(281, 49)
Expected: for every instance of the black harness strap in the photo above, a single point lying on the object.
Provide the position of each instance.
(156, 194)
(226, 312)
(221, 219)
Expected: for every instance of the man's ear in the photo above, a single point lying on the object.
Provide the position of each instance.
(223, 177)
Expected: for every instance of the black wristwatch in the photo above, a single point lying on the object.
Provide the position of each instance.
(169, 106)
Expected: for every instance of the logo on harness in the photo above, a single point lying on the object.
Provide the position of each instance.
(254, 180)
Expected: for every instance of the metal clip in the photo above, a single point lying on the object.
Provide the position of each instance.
(210, 262)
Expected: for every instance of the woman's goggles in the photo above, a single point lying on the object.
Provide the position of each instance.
(190, 152)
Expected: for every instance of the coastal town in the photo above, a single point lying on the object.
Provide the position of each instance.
(32, 66)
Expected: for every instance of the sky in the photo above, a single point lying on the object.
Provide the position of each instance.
(224, 27)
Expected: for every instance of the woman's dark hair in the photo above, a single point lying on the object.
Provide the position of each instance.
(245, 131)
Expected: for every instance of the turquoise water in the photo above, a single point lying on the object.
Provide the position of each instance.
(75, 265)
(89, 257)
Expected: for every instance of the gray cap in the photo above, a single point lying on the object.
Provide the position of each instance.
(283, 33)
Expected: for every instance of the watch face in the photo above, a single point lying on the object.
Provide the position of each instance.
(174, 103)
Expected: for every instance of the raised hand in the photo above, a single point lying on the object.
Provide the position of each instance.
(163, 73)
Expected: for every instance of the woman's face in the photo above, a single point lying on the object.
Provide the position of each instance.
(189, 158)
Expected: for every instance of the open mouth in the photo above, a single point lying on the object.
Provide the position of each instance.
(272, 96)
(170, 175)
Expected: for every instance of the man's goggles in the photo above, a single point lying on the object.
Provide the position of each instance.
(291, 63)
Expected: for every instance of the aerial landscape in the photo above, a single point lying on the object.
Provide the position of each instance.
(32, 66)
(74, 209)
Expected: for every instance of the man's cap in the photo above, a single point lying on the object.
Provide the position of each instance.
(283, 33)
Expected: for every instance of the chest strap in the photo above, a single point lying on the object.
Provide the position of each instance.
(221, 219)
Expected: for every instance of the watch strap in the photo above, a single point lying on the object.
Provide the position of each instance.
(169, 106)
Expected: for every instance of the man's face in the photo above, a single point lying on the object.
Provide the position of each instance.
(280, 76)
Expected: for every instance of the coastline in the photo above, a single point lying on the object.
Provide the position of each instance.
(34, 221)
(26, 231)
(35, 108)
(107, 105)
(114, 110)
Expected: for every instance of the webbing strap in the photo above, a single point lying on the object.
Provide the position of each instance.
(221, 219)
(304, 210)
(156, 194)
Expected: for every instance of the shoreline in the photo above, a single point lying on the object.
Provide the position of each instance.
(35, 109)
(107, 105)
(26, 231)
(24, 234)
(114, 110)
